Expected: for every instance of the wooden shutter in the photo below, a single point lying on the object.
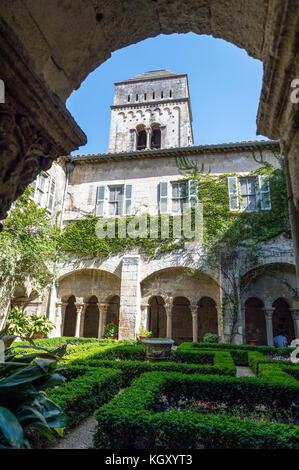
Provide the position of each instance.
(264, 188)
(128, 200)
(51, 197)
(193, 193)
(232, 183)
(163, 197)
(100, 201)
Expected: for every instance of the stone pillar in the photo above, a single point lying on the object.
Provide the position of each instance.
(295, 316)
(269, 325)
(148, 137)
(80, 306)
(60, 316)
(168, 310)
(129, 311)
(144, 322)
(103, 308)
(194, 312)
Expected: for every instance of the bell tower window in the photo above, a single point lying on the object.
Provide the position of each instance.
(141, 138)
(156, 137)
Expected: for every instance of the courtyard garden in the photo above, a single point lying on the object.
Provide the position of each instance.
(197, 399)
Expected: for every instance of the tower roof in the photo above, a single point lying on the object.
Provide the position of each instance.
(154, 75)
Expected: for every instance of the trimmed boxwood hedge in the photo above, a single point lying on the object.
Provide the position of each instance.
(129, 420)
(91, 388)
(266, 350)
(223, 365)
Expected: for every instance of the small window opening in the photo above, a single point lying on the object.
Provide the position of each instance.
(156, 139)
(129, 97)
(161, 94)
(153, 95)
(144, 96)
(170, 93)
(136, 97)
(141, 140)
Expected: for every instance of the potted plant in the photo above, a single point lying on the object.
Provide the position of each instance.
(211, 338)
(144, 333)
(111, 330)
(40, 326)
(18, 323)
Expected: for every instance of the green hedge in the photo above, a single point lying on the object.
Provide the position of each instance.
(90, 389)
(129, 419)
(285, 352)
(223, 365)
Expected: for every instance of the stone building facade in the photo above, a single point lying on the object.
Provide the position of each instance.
(140, 175)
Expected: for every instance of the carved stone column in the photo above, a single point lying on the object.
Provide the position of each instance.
(295, 316)
(80, 306)
(194, 312)
(59, 317)
(269, 325)
(168, 310)
(35, 127)
(103, 308)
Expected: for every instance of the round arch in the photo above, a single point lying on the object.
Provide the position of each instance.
(156, 320)
(181, 320)
(255, 323)
(282, 319)
(207, 317)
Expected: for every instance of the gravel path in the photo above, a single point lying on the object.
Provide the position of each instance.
(244, 372)
(78, 438)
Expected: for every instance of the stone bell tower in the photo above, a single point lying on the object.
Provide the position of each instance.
(151, 111)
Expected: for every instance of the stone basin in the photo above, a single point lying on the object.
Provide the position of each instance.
(157, 349)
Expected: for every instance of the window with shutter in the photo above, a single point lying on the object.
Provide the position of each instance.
(116, 200)
(128, 199)
(51, 196)
(193, 193)
(100, 201)
(179, 196)
(40, 190)
(248, 192)
(264, 189)
(163, 197)
(232, 183)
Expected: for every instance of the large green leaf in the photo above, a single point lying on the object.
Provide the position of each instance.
(11, 428)
(23, 377)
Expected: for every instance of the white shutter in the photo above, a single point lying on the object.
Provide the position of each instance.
(128, 200)
(163, 197)
(51, 196)
(264, 187)
(232, 184)
(193, 193)
(100, 201)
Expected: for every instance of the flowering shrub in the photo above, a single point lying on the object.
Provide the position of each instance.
(111, 330)
(279, 358)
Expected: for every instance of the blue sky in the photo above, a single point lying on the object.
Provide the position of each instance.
(225, 85)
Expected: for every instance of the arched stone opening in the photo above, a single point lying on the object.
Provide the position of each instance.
(181, 320)
(255, 323)
(282, 320)
(207, 317)
(69, 328)
(113, 310)
(91, 318)
(157, 317)
(155, 138)
(141, 138)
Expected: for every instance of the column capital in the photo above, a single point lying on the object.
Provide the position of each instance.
(294, 311)
(194, 309)
(268, 312)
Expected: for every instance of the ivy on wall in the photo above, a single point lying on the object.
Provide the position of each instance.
(219, 223)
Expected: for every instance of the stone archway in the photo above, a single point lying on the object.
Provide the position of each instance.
(207, 317)
(113, 310)
(255, 323)
(70, 318)
(157, 317)
(91, 318)
(181, 320)
(282, 320)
